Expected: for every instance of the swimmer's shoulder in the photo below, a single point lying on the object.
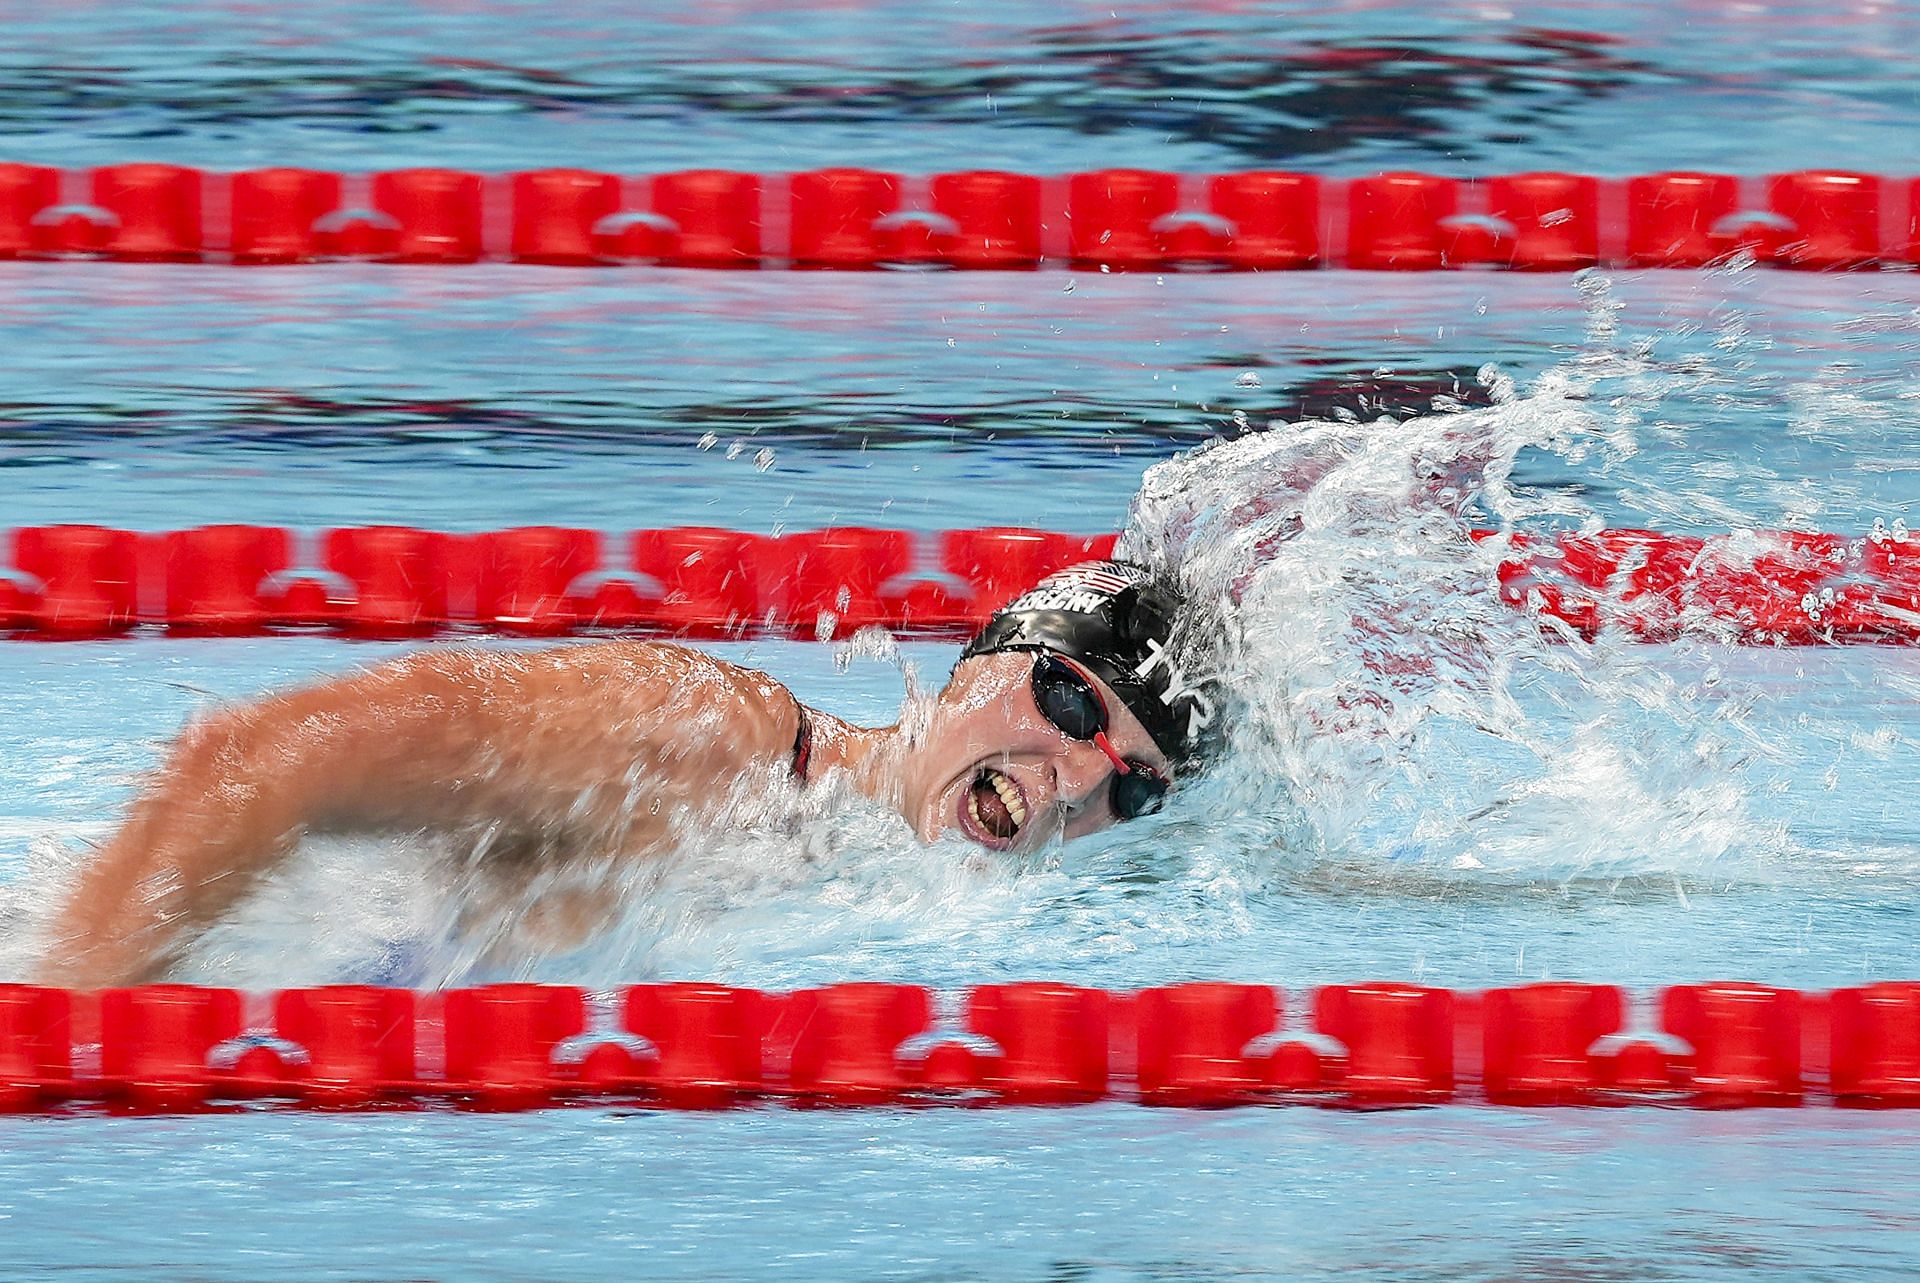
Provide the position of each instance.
(656, 688)
(684, 685)
(753, 713)
(608, 667)
(682, 669)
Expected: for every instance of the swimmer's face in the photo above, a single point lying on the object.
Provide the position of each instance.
(994, 769)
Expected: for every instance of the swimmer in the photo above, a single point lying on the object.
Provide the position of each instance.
(1066, 714)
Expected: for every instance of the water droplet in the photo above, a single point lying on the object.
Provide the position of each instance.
(1500, 388)
(763, 460)
(734, 448)
(709, 440)
(1247, 380)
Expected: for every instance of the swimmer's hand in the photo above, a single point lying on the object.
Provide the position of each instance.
(595, 746)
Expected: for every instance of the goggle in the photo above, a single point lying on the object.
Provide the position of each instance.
(1067, 697)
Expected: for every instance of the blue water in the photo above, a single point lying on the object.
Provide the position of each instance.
(162, 396)
(1627, 813)
(1343, 87)
(1100, 1193)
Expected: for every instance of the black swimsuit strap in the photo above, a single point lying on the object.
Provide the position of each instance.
(802, 743)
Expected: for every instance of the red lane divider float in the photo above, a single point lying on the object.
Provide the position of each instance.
(397, 581)
(542, 581)
(845, 218)
(687, 1045)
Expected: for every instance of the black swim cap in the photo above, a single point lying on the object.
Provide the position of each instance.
(1113, 618)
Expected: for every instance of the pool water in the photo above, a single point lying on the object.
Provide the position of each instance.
(1104, 1192)
(1514, 810)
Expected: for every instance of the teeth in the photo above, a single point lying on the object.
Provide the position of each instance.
(1011, 796)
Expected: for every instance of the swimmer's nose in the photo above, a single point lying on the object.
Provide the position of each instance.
(1105, 745)
(1080, 772)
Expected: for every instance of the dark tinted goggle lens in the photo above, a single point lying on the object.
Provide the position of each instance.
(1071, 703)
(1138, 792)
(1065, 699)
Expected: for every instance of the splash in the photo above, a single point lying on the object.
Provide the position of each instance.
(1392, 711)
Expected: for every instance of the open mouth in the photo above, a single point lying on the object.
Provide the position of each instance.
(994, 808)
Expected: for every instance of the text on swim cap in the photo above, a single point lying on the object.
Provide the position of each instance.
(1068, 597)
(1199, 708)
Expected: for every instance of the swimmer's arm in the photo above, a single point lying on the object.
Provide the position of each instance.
(447, 738)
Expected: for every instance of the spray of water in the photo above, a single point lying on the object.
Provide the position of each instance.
(1392, 711)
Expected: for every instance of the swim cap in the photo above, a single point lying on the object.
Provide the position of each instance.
(1114, 619)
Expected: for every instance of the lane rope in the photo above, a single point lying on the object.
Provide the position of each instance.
(850, 218)
(85, 581)
(693, 1045)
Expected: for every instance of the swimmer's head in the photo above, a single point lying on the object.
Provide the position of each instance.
(1068, 712)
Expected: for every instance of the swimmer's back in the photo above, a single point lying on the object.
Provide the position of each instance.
(588, 735)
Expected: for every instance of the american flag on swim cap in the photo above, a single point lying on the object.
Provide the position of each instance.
(1095, 574)
(1080, 588)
